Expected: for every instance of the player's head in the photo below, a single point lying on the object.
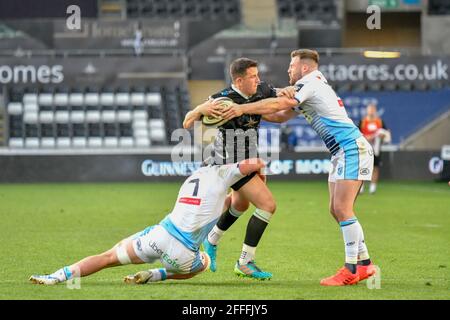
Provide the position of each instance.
(303, 61)
(371, 110)
(244, 74)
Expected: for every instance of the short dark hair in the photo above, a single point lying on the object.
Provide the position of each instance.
(239, 67)
(306, 54)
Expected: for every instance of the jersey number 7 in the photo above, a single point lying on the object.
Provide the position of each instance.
(197, 182)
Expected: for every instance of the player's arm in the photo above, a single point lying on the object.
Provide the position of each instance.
(207, 108)
(287, 99)
(280, 116)
(251, 165)
(262, 107)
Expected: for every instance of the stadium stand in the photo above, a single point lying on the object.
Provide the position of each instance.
(107, 118)
(307, 9)
(193, 9)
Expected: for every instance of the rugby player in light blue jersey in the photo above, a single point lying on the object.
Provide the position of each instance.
(176, 240)
(351, 155)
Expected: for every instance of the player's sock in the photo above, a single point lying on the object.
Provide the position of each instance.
(255, 228)
(214, 235)
(63, 274)
(351, 232)
(351, 267)
(373, 187)
(158, 275)
(247, 254)
(363, 253)
(225, 221)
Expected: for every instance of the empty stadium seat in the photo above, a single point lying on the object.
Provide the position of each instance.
(45, 99)
(31, 117)
(16, 143)
(30, 98)
(62, 117)
(61, 99)
(94, 142)
(79, 142)
(48, 142)
(126, 142)
(91, 99)
(15, 108)
(32, 143)
(124, 116)
(122, 99)
(111, 142)
(143, 142)
(63, 142)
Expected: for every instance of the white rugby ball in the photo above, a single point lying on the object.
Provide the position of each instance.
(217, 121)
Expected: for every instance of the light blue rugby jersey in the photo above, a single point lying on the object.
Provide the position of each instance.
(200, 204)
(325, 111)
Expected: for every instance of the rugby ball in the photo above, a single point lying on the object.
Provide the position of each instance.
(217, 121)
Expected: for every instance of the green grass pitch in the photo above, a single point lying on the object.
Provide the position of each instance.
(407, 229)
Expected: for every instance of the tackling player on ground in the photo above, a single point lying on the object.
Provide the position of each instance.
(352, 155)
(175, 241)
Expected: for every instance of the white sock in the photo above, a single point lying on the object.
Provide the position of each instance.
(62, 274)
(363, 253)
(158, 275)
(351, 231)
(373, 187)
(214, 235)
(247, 254)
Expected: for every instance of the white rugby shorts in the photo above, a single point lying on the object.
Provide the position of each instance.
(155, 243)
(354, 161)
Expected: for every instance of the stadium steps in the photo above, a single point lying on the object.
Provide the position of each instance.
(257, 14)
(432, 136)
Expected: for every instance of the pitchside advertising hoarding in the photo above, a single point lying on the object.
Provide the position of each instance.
(82, 71)
(355, 68)
(142, 167)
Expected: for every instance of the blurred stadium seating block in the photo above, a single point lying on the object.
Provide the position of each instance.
(112, 117)
(189, 9)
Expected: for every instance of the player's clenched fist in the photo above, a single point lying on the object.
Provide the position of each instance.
(288, 92)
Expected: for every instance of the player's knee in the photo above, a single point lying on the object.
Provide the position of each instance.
(110, 258)
(269, 205)
(240, 206)
(340, 211)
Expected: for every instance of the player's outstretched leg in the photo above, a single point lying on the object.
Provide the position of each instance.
(156, 275)
(120, 254)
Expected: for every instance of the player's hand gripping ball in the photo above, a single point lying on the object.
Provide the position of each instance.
(217, 121)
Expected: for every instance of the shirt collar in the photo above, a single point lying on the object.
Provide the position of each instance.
(239, 92)
(313, 74)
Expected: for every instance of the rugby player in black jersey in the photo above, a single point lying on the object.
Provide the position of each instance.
(236, 140)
